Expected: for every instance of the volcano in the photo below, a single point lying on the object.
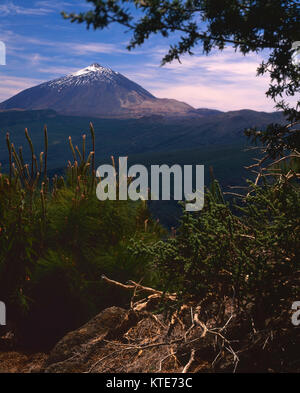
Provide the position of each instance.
(96, 91)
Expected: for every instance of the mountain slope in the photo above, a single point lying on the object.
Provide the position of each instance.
(98, 92)
(118, 137)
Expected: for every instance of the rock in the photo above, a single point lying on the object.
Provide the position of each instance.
(18, 362)
(70, 353)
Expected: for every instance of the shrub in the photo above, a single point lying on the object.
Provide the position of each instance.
(250, 251)
(57, 239)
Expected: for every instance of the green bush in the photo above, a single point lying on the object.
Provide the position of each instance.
(250, 251)
(57, 239)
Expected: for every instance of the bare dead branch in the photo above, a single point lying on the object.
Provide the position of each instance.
(188, 365)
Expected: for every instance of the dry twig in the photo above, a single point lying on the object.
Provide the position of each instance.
(188, 365)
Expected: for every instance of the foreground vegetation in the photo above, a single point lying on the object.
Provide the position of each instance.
(57, 239)
(234, 265)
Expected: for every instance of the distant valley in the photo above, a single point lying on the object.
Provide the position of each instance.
(131, 136)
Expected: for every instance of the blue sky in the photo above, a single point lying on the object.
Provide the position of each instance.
(41, 45)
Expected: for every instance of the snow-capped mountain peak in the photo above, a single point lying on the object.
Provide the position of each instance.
(89, 75)
(95, 67)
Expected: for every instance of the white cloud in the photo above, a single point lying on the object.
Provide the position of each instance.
(219, 97)
(52, 4)
(13, 85)
(62, 47)
(224, 80)
(83, 49)
(9, 8)
(43, 7)
(57, 70)
(59, 5)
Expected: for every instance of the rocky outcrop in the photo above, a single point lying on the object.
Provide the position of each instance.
(120, 341)
(79, 349)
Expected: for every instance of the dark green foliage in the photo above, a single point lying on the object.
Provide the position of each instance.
(57, 239)
(276, 138)
(250, 252)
